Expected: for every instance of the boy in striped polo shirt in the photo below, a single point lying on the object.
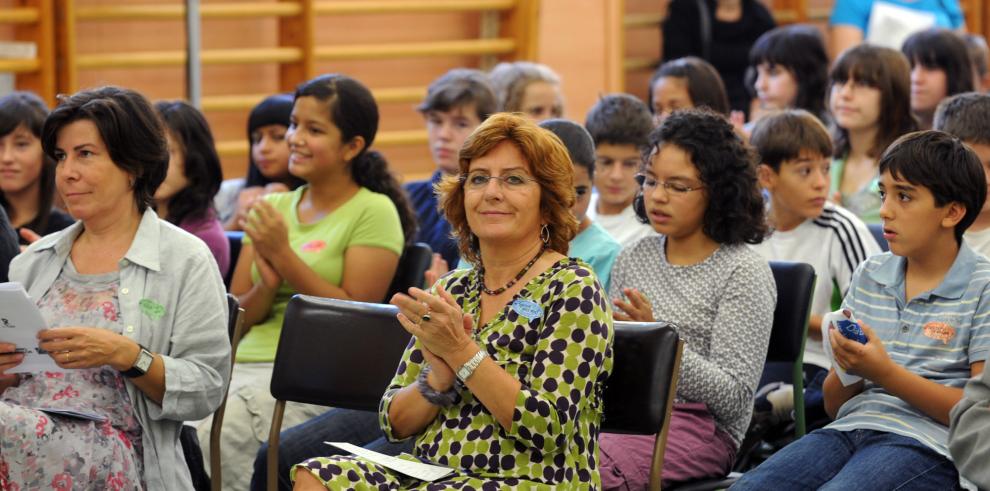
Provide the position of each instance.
(925, 309)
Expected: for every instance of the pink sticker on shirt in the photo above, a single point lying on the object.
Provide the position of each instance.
(313, 246)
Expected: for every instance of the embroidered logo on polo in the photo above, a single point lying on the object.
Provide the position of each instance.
(527, 308)
(940, 331)
(315, 245)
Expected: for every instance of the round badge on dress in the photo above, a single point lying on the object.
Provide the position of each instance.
(527, 308)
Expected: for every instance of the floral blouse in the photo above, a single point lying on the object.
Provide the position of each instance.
(38, 449)
(555, 336)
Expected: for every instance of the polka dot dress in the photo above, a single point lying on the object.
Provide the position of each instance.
(562, 355)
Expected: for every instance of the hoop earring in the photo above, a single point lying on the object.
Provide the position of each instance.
(545, 234)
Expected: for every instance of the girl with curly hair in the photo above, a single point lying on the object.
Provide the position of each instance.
(699, 192)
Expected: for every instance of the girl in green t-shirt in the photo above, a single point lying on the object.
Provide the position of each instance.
(339, 236)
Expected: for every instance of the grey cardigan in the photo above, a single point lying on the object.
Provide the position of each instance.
(166, 267)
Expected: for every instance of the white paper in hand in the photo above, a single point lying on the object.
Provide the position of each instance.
(828, 322)
(20, 322)
(419, 470)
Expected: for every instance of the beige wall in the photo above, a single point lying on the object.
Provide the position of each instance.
(574, 37)
(412, 161)
(573, 40)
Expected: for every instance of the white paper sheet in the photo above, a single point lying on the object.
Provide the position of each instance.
(828, 321)
(20, 322)
(890, 25)
(419, 470)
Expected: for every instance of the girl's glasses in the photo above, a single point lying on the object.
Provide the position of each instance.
(649, 183)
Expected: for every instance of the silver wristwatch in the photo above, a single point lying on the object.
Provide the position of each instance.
(141, 365)
(468, 368)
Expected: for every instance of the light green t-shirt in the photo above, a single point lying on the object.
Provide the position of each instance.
(864, 203)
(367, 219)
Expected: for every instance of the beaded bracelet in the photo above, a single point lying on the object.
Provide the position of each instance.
(442, 399)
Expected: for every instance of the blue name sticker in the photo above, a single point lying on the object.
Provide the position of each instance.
(527, 308)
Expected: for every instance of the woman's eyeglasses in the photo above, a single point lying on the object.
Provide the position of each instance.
(479, 180)
(649, 183)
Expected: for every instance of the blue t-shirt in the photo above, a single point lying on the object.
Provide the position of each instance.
(856, 13)
(434, 229)
(597, 248)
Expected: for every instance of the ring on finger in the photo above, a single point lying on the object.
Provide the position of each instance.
(426, 315)
(68, 356)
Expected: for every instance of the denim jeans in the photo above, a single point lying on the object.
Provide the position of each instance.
(305, 441)
(858, 459)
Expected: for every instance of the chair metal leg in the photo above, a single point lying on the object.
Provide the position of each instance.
(216, 477)
(660, 446)
(273, 445)
(798, 379)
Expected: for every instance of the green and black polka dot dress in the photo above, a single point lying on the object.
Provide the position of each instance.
(555, 336)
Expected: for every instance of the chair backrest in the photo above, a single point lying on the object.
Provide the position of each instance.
(876, 230)
(416, 259)
(795, 286)
(234, 238)
(337, 353)
(234, 323)
(645, 369)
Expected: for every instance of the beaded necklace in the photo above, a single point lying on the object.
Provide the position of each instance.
(513, 281)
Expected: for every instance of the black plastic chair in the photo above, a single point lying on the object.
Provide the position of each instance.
(187, 436)
(795, 288)
(639, 395)
(235, 329)
(415, 260)
(876, 230)
(323, 358)
(234, 238)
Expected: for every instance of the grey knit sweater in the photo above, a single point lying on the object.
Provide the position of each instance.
(723, 307)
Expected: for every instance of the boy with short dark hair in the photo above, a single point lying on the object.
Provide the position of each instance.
(455, 104)
(620, 126)
(925, 310)
(593, 244)
(967, 117)
(794, 150)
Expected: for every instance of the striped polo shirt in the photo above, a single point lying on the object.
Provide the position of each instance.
(937, 335)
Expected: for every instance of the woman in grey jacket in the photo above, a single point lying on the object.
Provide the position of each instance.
(136, 311)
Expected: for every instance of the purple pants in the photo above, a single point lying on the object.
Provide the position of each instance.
(696, 449)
